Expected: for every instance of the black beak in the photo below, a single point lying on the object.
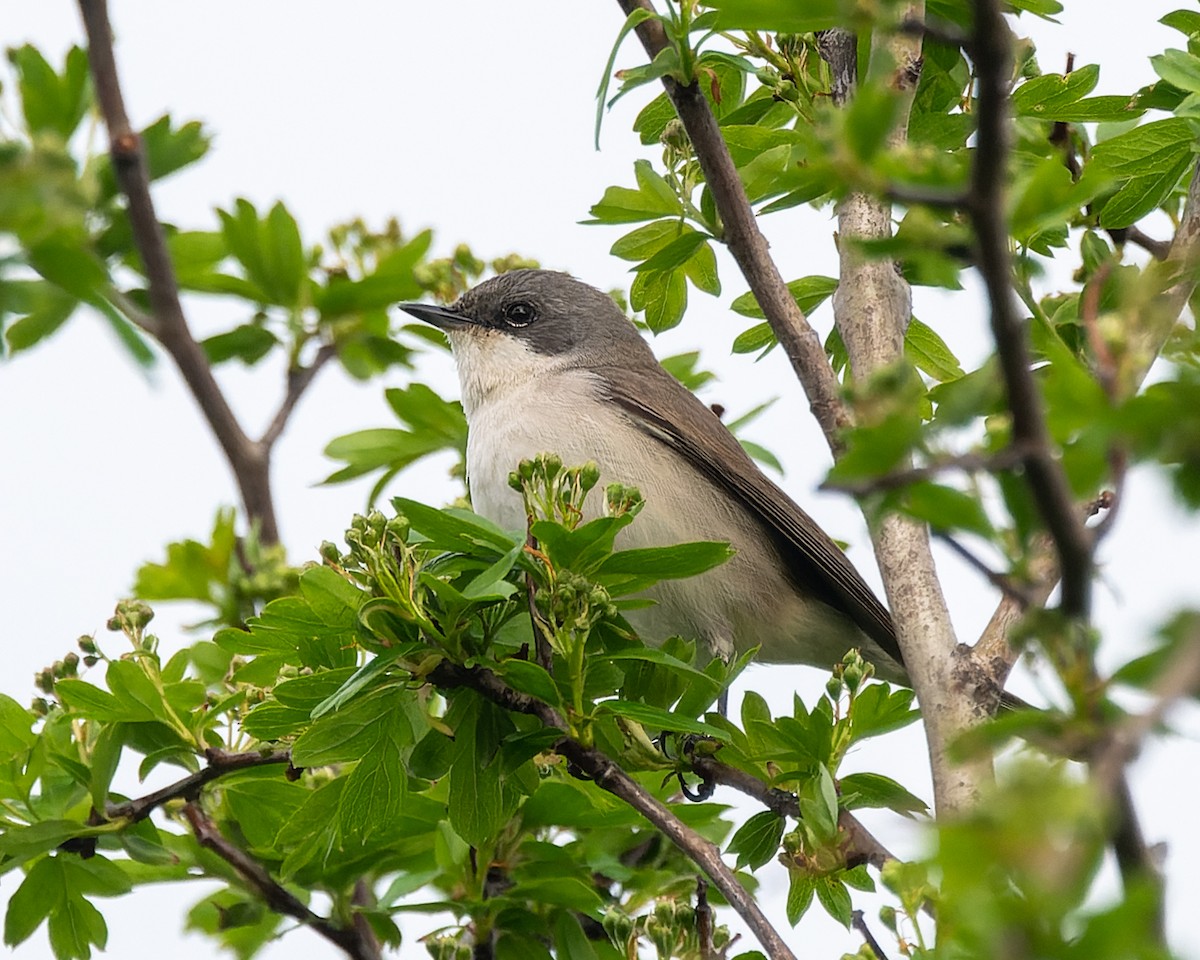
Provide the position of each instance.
(443, 318)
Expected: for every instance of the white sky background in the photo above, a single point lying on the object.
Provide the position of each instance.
(474, 118)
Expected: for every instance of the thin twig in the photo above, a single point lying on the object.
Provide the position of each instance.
(247, 459)
(1000, 581)
(1159, 249)
(1179, 677)
(297, 382)
(608, 775)
(943, 198)
(273, 893)
(746, 242)
(219, 763)
(934, 29)
(991, 49)
(859, 923)
(704, 921)
(1011, 456)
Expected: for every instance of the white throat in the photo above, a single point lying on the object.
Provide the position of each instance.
(492, 364)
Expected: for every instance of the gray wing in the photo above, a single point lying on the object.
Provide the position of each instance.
(815, 561)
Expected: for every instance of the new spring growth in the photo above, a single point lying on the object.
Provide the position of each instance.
(551, 491)
(131, 618)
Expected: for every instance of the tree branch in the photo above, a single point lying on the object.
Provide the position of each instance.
(991, 51)
(219, 763)
(608, 775)
(747, 244)
(273, 893)
(248, 460)
(872, 307)
(1004, 459)
(297, 382)
(860, 844)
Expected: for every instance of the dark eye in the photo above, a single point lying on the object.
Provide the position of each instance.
(519, 314)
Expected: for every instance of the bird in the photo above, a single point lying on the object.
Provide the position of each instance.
(549, 364)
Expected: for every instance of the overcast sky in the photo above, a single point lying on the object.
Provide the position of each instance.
(475, 119)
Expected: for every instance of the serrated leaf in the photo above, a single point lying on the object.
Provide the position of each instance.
(929, 352)
(875, 790)
(835, 898)
(757, 840)
(16, 734)
(658, 719)
(800, 895)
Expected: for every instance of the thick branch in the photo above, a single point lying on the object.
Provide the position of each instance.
(608, 775)
(872, 307)
(991, 50)
(219, 764)
(747, 244)
(274, 894)
(248, 460)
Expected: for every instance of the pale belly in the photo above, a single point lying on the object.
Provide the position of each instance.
(745, 602)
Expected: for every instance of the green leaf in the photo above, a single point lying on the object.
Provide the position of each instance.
(835, 898)
(249, 343)
(929, 353)
(307, 693)
(135, 690)
(490, 584)
(23, 843)
(90, 701)
(662, 295)
(453, 529)
(570, 940)
(1045, 95)
(701, 269)
(652, 199)
(1151, 159)
(645, 241)
(51, 101)
(945, 508)
(475, 806)
(380, 447)
(270, 250)
(658, 719)
(351, 732)
(373, 798)
(878, 709)
(73, 267)
(40, 893)
(1179, 68)
(778, 17)
(532, 679)
(169, 149)
(16, 734)
(1186, 22)
(636, 16)
(49, 309)
(875, 790)
(393, 279)
(757, 840)
(800, 895)
(665, 563)
(808, 292)
(674, 254)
